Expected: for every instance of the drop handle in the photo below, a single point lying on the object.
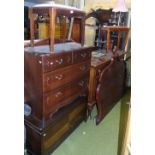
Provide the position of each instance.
(58, 94)
(44, 134)
(81, 83)
(49, 63)
(83, 55)
(59, 77)
(82, 68)
(59, 61)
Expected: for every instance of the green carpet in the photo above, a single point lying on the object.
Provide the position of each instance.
(89, 139)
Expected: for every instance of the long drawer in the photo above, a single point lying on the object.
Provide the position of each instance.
(56, 60)
(55, 79)
(56, 99)
(43, 142)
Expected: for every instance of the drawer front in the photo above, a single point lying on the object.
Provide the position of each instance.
(56, 99)
(56, 60)
(64, 124)
(55, 79)
(79, 56)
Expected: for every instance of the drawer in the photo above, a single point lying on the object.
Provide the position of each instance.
(56, 60)
(55, 79)
(79, 56)
(54, 100)
(44, 141)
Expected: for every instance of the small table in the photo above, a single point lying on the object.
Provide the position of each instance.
(97, 65)
(119, 30)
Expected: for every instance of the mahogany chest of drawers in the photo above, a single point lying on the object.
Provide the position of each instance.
(54, 82)
(56, 75)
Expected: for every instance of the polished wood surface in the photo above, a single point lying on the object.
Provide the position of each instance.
(110, 88)
(52, 17)
(53, 80)
(97, 66)
(53, 74)
(61, 97)
(43, 141)
(56, 61)
(52, 12)
(56, 75)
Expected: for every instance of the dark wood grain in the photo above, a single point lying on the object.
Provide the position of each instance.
(33, 83)
(52, 15)
(56, 82)
(55, 61)
(57, 78)
(31, 26)
(63, 96)
(110, 88)
(46, 140)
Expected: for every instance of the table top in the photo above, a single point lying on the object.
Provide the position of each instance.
(115, 28)
(99, 58)
(65, 47)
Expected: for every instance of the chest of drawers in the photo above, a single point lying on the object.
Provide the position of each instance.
(54, 80)
(56, 89)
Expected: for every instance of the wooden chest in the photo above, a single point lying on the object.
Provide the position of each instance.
(56, 89)
(54, 80)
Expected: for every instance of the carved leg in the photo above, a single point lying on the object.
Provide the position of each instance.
(97, 120)
(89, 110)
(100, 113)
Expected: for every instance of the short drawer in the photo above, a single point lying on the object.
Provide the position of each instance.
(54, 100)
(56, 60)
(55, 79)
(79, 56)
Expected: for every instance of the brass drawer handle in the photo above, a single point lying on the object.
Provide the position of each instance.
(59, 61)
(83, 55)
(44, 134)
(51, 63)
(58, 94)
(59, 77)
(81, 83)
(82, 68)
(48, 63)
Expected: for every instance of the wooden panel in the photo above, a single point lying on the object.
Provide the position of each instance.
(33, 140)
(124, 121)
(55, 79)
(53, 139)
(110, 88)
(44, 142)
(33, 83)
